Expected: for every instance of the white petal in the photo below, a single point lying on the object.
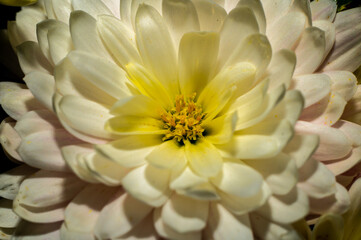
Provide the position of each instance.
(280, 70)
(122, 46)
(224, 225)
(32, 59)
(17, 103)
(42, 149)
(158, 55)
(184, 214)
(103, 169)
(39, 120)
(254, 49)
(8, 219)
(167, 232)
(70, 82)
(85, 116)
(287, 208)
(310, 50)
(60, 43)
(238, 179)
(263, 140)
(102, 73)
(316, 180)
(344, 83)
(7, 87)
(337, 203)
(82, 213)
(330, 34)
(280, 172)
(181, 17)
(301, 147)
(210, 15)
(239, 23)
(286, 32)
(42, 30)
(120, 216)
(43, 197)
(346, 163)
(314, 87)
(257, 8)
(148, 184)
(84, 34)
(10, 181)
(26, 21)
(240, 206)
(333, 142)
(10, 139)
(62, 9)
(344, 55)
(323, 9)
(74, 157)
(92, 7)
(42, 86)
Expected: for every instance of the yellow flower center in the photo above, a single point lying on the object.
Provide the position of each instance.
(183, 121)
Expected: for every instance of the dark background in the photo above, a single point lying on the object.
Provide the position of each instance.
(8, 13)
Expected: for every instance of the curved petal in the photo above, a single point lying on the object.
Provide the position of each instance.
(148, 184)
(203, 158)
(130, 151)
(286, 208)
(238, 179)
(323, 10)
(280, 172)
(122, 46)
(42, 86)
(120, 216)
(167, 232)
(197, 56)
(224, 225)
(84, 33)
(310, 51)
(239, 23)
(184, 214)
(211, 16)
(83, 211)
(42, 149)
(102, 73)
(181, 17)
(85, 116)
(10, 181)
(158, 55)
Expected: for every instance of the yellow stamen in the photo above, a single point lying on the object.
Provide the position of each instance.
(183, 121)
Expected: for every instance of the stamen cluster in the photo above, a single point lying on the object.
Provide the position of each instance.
(184, 120)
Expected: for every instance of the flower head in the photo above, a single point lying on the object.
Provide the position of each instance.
(177, 116)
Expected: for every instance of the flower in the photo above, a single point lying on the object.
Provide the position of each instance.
(178, 118)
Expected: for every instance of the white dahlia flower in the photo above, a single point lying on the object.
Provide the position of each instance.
(177, 116)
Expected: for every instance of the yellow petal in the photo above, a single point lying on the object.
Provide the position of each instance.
(17, 2)
(203, 158)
